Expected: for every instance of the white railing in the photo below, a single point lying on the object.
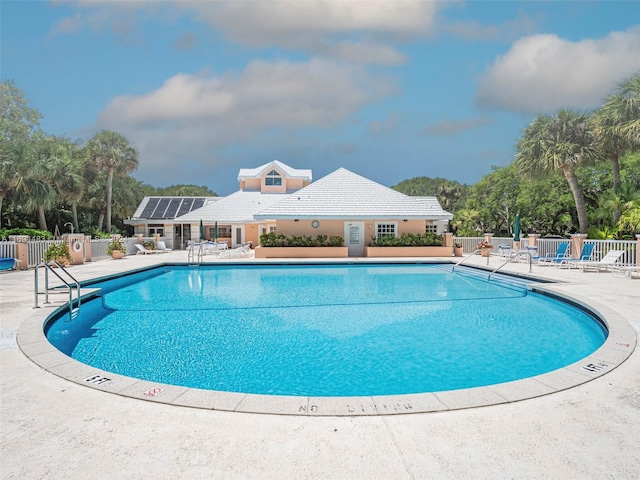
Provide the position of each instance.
(36, 250)
(547, 247)
(7, 249)
(630, 248)
(99, 248)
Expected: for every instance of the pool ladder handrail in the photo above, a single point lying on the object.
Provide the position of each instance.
(465, 258)
(191, 254)
(527, 253)
(73, 283)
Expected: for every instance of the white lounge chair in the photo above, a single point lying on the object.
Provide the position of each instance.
(144, 251)
(243, 250)
(163, 247)
(621, 271)
(605, 264)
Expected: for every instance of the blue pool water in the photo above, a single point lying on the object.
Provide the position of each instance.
(350, 330)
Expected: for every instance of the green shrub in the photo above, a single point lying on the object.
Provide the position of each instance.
(408, 240)
(57, 251)
(279, 240)
(149, 244)
(116, 244)
(30, 232)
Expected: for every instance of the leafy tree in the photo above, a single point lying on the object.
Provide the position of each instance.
(451, 194)
(36, 192)
(617, 125)
(69, 179)
(112, 152)
(560, 142)
(18, 121)
(494, 199)
(183, 190)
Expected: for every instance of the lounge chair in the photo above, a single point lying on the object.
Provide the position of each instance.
(163, 247)
(605, 264)
(506, 252)
(144, 251)
(8, 263)
(585, 256)
(622, 271)
(243, 250)
(561, 253)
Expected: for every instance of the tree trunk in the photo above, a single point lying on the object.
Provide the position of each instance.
(578, 198)
(74, 211)
(109, 188)
(615, 170)
(100, 219)
(1, 200)
(41, 219)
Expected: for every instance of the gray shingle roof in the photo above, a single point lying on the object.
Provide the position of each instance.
(345, 195)
(239, 207)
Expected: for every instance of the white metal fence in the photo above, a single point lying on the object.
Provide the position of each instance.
(7, 249)
(547, 247)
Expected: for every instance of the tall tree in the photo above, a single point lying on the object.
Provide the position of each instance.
(112, 152)
(617, 125)
(69, 179)
(559, 142)
(17, 123)
(36, 192)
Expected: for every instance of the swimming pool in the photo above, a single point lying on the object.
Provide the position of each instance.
(324, 330)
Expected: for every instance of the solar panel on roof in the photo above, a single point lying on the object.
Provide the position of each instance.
(150, 207)
(172, 209)
(185, 206)
(162, 206)
(197, 203)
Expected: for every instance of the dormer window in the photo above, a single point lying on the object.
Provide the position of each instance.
(273, 178)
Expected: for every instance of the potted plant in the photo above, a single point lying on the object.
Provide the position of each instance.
(116, 249)
(58, 252)
(457, 249)
(485, 248)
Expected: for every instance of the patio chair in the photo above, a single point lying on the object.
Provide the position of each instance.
(585, 256)
(8, 263)
(243, 250)
(622, 271)
(144, 251)
(163, 247)
(561, 253)
(506, 252)
(605, 264)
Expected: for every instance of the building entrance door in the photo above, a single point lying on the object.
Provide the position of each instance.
(354, 238)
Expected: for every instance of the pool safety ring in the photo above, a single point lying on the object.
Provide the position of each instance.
(76, 246)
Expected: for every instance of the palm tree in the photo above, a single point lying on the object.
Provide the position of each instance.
(112, 152)
(36, 191)
(617, 124)
(69, 179)
(560, 142)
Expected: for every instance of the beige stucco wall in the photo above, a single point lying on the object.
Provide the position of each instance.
(287, 184)
(336, 227)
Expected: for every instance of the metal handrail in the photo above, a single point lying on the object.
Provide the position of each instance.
(48, 268)
(191, 253)
(468, 256)
(527, 253)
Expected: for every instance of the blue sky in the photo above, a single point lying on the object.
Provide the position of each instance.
(388, 89)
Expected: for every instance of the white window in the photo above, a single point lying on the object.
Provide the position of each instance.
(156, 229)
(386, 229)
(272, 228)
(273, 178)
(431, 228)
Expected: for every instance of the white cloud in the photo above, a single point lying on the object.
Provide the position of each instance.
(359, 31)
(542, 73)
(190, 113)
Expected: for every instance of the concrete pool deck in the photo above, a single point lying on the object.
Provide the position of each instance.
(53, 428)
